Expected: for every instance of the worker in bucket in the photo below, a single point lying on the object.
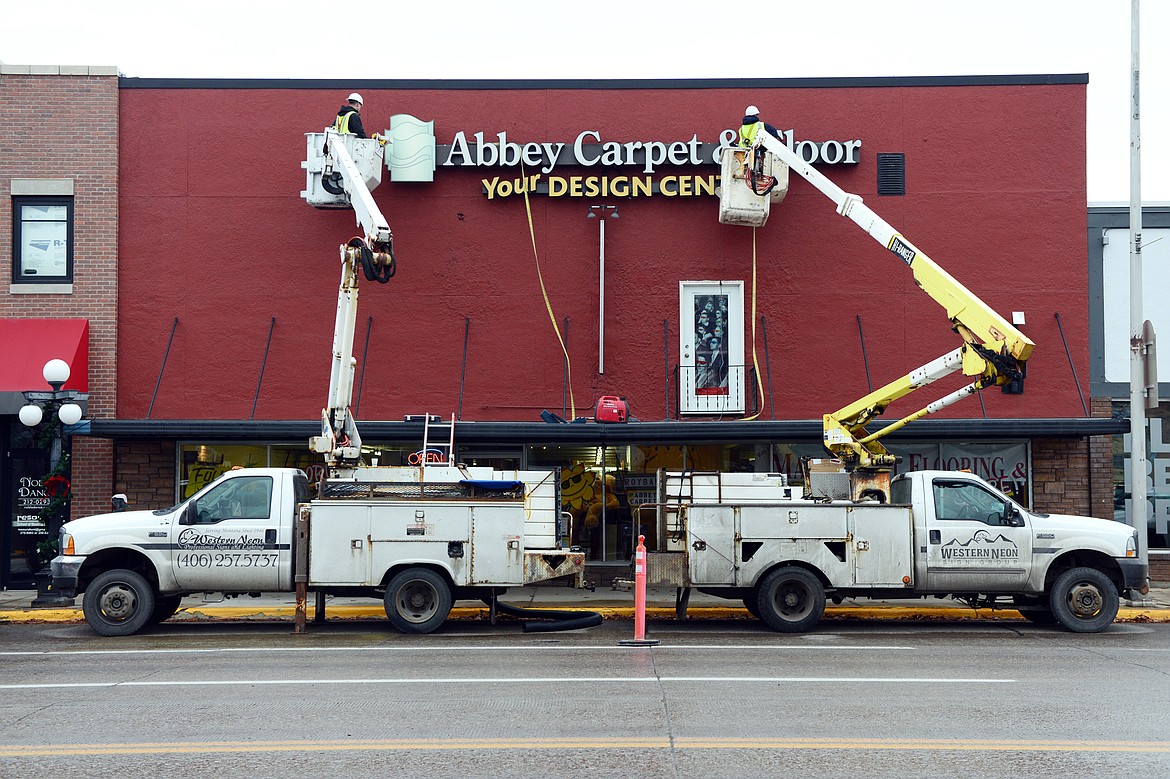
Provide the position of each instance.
(349, 119)
(753, 164)
(751, 127)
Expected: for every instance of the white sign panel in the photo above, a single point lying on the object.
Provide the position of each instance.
(1115, 297)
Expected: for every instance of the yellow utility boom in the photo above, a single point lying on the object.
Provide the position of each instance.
(994, 352)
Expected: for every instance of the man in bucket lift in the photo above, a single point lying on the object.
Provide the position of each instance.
(349, 119)
(751, 127)
(754, 162)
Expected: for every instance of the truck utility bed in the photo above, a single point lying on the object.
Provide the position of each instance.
(489, 531)
(733, 545)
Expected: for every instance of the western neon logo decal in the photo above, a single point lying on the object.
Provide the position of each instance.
(981, 546)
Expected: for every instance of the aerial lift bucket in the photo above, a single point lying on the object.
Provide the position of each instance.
(738, 203)
(366, 154)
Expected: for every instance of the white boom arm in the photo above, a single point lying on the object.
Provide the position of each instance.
(993, 350)
(339, 440)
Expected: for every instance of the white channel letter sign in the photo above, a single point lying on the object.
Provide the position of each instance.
(413, 147)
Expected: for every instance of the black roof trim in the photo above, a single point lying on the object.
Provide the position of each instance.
(127, 82)
(591, 433)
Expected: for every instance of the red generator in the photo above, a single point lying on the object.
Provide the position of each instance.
(611, 408)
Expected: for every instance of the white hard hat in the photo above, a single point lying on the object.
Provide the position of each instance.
(356, 98)
(751, 110)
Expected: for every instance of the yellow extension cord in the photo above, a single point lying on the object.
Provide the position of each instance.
(548, 305)
(552, 317)
(755, 359)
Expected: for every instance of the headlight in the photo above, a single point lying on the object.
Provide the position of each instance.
(1131, 545)
(67, 547)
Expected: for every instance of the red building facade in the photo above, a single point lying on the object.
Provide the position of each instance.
(509, 300)
(213, 233)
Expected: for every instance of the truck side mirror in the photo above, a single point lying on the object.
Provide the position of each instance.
(190, 511)
(1011, 515)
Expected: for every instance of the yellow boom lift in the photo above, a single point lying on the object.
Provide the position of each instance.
(993, 351)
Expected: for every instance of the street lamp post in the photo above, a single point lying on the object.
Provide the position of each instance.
(64, 409)
(593, 213)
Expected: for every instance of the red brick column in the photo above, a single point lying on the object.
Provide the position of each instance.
(62, 123)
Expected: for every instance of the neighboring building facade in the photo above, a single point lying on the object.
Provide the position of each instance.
(58, 283)
(728, 343)
(1109, 318)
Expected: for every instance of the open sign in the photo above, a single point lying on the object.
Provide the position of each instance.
(426, 456)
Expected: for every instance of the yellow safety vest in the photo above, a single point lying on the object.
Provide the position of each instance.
(341, 124)
(747, 134)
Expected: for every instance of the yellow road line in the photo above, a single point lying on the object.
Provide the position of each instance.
(552, 744)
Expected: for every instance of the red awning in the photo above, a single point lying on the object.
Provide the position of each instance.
(27, 344)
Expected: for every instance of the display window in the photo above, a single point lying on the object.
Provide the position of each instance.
(607, 493)
(1005, 465)
(1158, 481)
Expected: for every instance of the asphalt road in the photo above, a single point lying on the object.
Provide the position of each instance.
(712, 699)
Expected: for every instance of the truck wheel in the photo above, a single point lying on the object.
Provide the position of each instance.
(1038, 616)
(1036, 612)
(118, 603)
(1084, 600)
(165, 607)
(418, 600)
(790, 600)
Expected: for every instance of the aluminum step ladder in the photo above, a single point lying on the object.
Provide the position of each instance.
(444, 453)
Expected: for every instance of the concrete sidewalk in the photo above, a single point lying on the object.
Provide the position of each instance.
(16, 606)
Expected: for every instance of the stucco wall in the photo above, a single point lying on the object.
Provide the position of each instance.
(213, 233)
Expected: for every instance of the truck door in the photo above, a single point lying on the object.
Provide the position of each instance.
(228, 537)
(977, 540)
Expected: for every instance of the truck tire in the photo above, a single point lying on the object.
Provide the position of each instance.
(1038, 616)
(1084, 600)
(165, 607)
(118, 603)
(1036, 612)
(418, 600)
(790, 600)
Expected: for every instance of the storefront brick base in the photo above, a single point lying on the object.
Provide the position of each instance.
(1160, 567)
(145, 472)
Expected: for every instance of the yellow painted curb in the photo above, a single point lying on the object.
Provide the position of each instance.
(941, 613)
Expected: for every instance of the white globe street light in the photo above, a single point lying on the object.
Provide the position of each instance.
(56, 373)
(31, 415)
(69, 414)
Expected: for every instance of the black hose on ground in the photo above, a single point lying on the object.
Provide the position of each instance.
(561, 620)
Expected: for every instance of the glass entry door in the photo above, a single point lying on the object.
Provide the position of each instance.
(22, 496)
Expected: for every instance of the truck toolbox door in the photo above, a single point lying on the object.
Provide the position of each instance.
(973, 544)
(227, 539)
(711, 543)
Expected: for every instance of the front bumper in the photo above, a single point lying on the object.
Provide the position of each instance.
(65, 572)
(1135, 574)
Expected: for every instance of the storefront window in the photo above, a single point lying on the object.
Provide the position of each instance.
(201, 464)
(1004, 465)
(1158, 479)
(602, 489)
